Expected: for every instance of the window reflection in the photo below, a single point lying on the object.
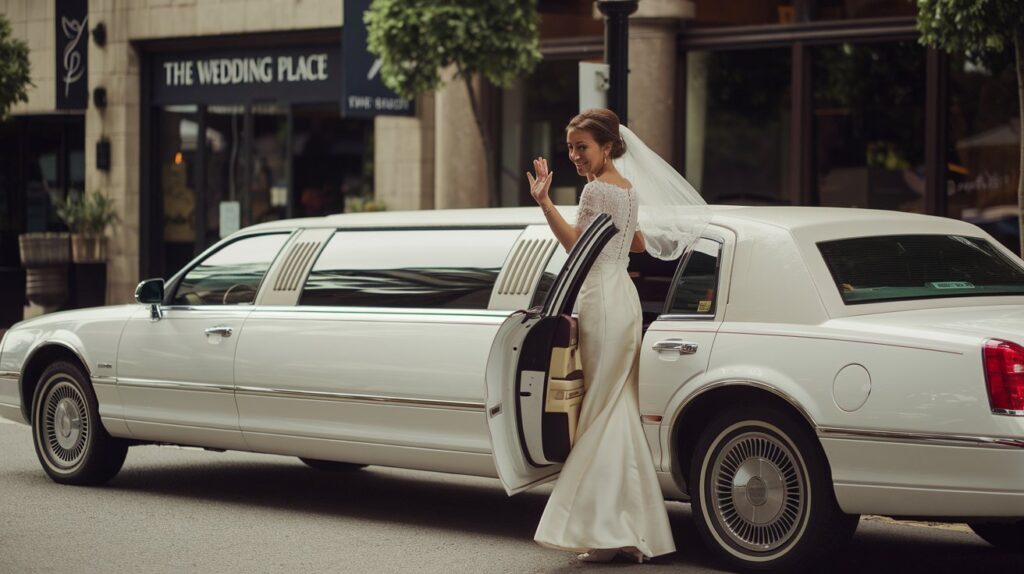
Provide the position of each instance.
(430, 268)
(232, 275)
(868, 106)
(737, 125)
(983, 153)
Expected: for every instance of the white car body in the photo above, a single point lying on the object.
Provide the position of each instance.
(894, 391)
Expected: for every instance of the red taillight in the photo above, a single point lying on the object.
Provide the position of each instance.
(1004, 374)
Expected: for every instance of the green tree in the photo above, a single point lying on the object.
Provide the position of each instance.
(990, 32)
(14, 69)
(417, 40)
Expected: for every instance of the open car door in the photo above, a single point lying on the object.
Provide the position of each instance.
(534, 383)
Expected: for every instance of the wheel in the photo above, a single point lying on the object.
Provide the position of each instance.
(70, 441)
(1002, 535)
(762, 493)
(331, 466)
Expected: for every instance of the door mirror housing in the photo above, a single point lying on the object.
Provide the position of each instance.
(150, 291)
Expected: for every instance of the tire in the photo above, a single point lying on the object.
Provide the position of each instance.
(1003, 535)
(783, 474)
(331, 466)
(70, 441)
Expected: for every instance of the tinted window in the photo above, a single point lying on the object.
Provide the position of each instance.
(453, 269)
(697, 287)
(896, 267)
(231, 275)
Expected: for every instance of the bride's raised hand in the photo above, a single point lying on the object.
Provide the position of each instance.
(540, 184)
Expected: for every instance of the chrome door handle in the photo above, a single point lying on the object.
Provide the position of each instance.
(222, 330)
(678, 345)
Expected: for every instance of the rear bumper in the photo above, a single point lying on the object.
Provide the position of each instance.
(10, 397)
(914, 478)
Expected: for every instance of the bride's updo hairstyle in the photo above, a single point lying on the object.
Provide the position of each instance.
(603, 125)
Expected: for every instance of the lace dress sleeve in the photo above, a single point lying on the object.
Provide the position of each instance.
(588, 208)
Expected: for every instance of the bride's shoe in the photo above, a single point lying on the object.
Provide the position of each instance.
(599, 555)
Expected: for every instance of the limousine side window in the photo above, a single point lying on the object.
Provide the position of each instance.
(432, 268)
(696, 289)
(232, 274)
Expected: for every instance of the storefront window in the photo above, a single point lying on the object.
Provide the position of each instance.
(737, 125)
(983, 153)
(868, 125)
(178, 163)
(332, 161)
(226, 173)
(534, 115)
(268, 183)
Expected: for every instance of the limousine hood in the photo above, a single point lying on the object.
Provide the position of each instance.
(970, 325)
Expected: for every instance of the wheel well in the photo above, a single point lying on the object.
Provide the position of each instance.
(688, 425)
(37, 363)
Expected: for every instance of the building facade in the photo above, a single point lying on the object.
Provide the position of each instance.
(202, 116)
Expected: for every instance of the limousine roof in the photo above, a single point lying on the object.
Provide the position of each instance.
(785, 217)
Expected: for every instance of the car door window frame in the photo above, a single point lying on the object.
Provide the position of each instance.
(171, 290)
(684, 263)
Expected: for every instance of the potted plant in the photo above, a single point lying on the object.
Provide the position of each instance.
(45, 256)
(88, 216)
(43, 249)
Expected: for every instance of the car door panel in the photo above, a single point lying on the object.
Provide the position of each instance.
(677, 347)
(529, 446)
(344, 376)
(176, 380)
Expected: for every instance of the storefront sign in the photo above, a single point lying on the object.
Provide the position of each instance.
(364, 94)
(287, 74)
(72, 47)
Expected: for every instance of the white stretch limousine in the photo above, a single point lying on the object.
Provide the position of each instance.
(800, 366)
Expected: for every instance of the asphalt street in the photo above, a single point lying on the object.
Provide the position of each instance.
(175, 510)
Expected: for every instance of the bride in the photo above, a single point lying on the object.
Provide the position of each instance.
(607, 500)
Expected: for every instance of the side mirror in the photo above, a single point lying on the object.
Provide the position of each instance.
(151, 291)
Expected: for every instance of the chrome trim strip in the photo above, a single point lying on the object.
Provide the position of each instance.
(685, 318)
(10, 376)
(921, 438)
(1008, 412)
(174, 385)
(351, 397)
(104, 380)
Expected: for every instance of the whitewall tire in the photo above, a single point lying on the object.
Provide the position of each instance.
(762, 491)
(70, 441)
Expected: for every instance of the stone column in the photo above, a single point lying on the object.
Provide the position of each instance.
(116, 68)
(461, 177)
(653, 31)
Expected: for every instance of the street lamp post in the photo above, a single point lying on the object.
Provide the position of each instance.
(616, 52)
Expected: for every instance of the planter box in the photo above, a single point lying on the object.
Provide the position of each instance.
(44, 249)
(88, 249)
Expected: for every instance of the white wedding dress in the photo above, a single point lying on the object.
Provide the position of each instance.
(607, 495)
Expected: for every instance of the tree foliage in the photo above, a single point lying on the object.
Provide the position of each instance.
(417, 39)
(14, 69)
(984, 30)
(987, 31)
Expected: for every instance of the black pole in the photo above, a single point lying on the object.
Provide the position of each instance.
(616, 52)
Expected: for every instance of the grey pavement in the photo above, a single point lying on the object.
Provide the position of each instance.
(174, 510)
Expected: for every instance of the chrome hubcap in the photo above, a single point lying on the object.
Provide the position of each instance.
(758, 491)
(65, 424)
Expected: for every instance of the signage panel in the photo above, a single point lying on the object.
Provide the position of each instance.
(306, 74)
(72, 23)
(364, 94)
